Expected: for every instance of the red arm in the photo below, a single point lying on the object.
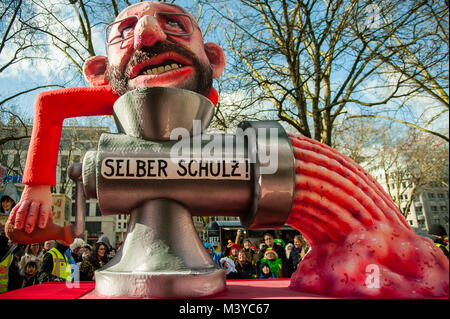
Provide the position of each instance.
(50, 110)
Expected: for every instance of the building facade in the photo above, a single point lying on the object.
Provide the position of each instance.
(428, 204)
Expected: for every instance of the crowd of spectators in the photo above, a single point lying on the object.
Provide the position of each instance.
(26, 265)
(272, 258)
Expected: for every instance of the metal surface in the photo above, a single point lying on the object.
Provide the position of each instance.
(202, 196)
(162, 256)
(152, 113)
(75, 173)
(89, 177)
(273, 194)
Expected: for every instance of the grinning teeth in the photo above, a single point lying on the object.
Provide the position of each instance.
(162, 69)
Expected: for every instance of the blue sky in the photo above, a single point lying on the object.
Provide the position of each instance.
(26, 75)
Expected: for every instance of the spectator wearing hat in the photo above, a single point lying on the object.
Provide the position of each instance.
(75, 249)
(105, 240)
(274, 261)
(269, 242)
(9, 199)
(234, 250)
(264, 271)
(55, 265)
(215, 256)
(250, 252)
(438, 232)
(49, 244)
(230, 268)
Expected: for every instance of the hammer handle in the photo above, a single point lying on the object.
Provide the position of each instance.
(52, 231)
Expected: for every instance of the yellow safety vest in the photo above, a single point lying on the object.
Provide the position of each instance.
(61, 266)
(4, 272)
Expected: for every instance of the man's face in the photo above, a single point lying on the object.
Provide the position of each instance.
(247, 244)
(268, 240)
(150, 57)
(49, 244)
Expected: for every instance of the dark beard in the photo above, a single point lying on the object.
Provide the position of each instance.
(200, 83)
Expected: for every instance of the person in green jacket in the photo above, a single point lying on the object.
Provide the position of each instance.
(275, 264)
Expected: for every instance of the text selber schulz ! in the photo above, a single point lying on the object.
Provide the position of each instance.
(163, 168)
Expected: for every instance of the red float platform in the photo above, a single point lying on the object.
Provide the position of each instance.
(236, 289)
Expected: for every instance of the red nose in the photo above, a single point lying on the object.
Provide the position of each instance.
(147, 33)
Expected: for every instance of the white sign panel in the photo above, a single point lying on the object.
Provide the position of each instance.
(163, 168)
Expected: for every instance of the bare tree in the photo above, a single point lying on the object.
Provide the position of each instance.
(14, 140)
(312, 59)
(403, 160)
(422, 62)
(75, 141)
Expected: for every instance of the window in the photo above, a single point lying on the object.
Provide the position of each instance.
(63, 176)
(93, 228)
(97, 211)
(444, 208)
(421, 223)
(74, 208)
(440, 195)
(436, 221)
(16, 162)
(64, 161)
(430, 195)
(119, 226)
(418, 210)
(404, 184)
(433, 208)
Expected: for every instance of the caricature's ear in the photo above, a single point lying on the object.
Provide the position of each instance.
(216, 58)
(94, 70)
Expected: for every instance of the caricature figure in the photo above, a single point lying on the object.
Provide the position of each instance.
(355, 230)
